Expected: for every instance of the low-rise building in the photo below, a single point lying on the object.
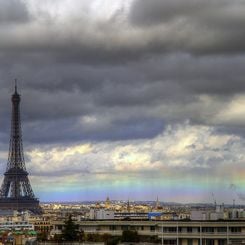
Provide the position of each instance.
(101, 214)
(170, 232)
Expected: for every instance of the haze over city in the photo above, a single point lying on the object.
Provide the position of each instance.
(130, 99)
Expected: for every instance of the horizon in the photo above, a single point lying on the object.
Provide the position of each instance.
(142, 202)
(131, 99)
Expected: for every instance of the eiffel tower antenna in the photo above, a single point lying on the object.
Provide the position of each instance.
(16, 192)
(15, 85)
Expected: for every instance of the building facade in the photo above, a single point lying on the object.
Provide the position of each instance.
(169, 232)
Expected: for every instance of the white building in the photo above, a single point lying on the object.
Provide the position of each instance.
(101, 214)
(216, 214)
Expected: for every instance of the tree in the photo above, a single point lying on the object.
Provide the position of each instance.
(81, 236)
(42, 236)
(113, 241)
(57, 238)
(70, 231)
(130, 236)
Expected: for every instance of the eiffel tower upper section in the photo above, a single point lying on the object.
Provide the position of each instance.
(16, 156)
(16, 191)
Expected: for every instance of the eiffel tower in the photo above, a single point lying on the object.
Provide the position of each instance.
(16, 192)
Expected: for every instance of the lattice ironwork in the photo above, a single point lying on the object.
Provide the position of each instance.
(16, 189)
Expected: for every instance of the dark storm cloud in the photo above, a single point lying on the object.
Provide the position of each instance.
(129, 97)
(72, 130)
(148, 13)
(197, 75)
(199, 27)
(148, 29)
(13, 12)
(122, 77)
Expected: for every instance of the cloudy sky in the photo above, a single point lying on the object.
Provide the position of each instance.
(130, 99)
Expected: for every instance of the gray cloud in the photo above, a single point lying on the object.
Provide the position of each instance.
(134, 100)
(148, 13)
(13, 12)
(194, 27)
(198, 27)
(124, 76)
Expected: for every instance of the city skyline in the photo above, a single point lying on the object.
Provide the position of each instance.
(130, 99)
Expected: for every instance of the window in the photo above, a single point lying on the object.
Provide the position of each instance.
(235, 229)
(209, 242)
(208, 229)
(221, 242)
(221, 229)
(172, 229)
(112, 228)
(125, 228)
(170, 242)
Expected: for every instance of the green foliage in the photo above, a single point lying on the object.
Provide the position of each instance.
(130, 236)
(106, 238)
(95, 237)
(81, 237)
(71, 231)
(57, 238)
(42, 236)
(150, 239)
(113, 241)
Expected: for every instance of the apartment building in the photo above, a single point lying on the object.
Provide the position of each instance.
(169, 232)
